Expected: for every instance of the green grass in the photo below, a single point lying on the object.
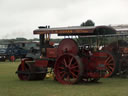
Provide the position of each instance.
(10, 85)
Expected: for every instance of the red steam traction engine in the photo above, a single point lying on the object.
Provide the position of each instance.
(70, 61)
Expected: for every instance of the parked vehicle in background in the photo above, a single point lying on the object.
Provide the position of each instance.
(3, 52)
(16, 50)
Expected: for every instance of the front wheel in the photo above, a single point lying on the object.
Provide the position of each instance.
(25, 73)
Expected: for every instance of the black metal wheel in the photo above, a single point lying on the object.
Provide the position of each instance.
(25, 73)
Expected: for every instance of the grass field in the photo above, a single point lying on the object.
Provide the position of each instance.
(10, 85)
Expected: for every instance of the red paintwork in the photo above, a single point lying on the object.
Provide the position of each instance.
(51, 43)
(93, 75)
(92, 64)
(69, 66)
(23, 67)
(12, 58)
(23, 62)
(41, 63)
(51, 52)
(67, 46)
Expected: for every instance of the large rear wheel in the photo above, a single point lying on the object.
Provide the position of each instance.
(68, 69)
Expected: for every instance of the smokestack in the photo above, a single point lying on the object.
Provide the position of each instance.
(47, 26)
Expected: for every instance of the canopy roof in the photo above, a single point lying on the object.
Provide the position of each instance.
(77, 30)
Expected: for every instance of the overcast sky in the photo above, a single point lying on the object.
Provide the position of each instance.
(18, 18)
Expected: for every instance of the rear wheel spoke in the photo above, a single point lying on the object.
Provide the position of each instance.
(110, 68)
(63, 75)
(74, 75)
(110, 64)
(108, 60)
(76, 70)
(68, 77)
(65, 62)
(71, 61)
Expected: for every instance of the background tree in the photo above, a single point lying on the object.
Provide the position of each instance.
(88, 23)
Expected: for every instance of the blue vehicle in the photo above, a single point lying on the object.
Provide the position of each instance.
(2, 54)
(11, 52)
(20, 49)
(14, 51)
